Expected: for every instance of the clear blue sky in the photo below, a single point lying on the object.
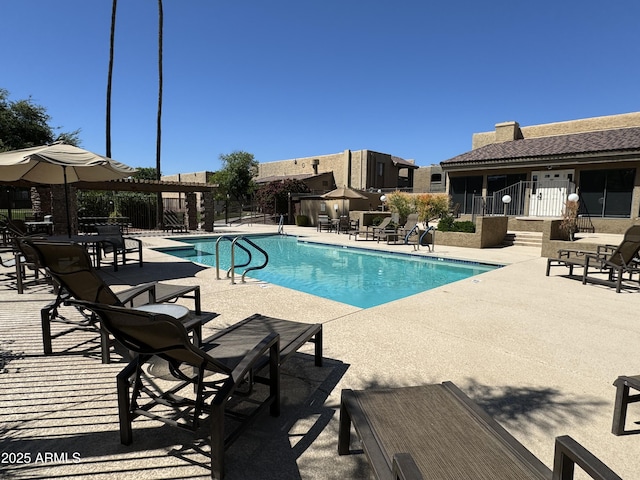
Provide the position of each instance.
(283, 79)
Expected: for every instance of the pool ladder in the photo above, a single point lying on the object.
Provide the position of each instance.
(423, 239)
(238, 242)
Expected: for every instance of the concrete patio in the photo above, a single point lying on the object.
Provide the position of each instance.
(539, 353)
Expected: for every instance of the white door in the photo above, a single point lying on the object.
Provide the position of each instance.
(549, 190)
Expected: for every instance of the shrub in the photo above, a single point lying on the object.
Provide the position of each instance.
(401, 203)
(448, 224)
(431, 206)
(302, 220)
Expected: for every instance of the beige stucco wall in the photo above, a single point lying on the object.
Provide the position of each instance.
(352, 168)
(490, 232)
(560, 128)
(336, 163)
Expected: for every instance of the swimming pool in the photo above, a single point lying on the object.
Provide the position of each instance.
(355, 276)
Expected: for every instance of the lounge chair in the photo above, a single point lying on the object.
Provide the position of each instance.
(214, 372)
(409, 229)
(324, 223)
(119, 245)
(623, 385)
(69, 265)
(437, 432)
(623, 260)
(610, 260)
(173, 221)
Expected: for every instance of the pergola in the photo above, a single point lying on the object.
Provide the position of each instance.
(55, 201)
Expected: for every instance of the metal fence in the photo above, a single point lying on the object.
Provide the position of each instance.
(526, 198)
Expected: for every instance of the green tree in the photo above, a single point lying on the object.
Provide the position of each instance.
(236, 176)
(145, 173)
(25, 124)
(273, 197)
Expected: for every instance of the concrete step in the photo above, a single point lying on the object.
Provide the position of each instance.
(523, 239)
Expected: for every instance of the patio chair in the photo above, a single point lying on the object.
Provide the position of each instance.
(28, 269)
(623, 386)
(615, 261)
(437, 432)
(173, 222)
(69, 265)
(622, 260)
(410, 231)
(346, 225)
(214, 372)
(119, 245)
(324, 223)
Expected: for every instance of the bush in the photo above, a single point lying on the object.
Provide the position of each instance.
(302, 220)
(448, 224)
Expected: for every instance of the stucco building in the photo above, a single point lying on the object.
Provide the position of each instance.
(357, 169)
(599, 158)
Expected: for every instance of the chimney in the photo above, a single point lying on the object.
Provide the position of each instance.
(507, 132)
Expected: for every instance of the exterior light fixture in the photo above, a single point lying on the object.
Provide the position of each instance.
(573, 197)
(506, 200)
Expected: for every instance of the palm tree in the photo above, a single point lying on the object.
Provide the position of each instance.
(159, 208)
(114, 6)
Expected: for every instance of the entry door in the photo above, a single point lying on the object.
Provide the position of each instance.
(549, 190)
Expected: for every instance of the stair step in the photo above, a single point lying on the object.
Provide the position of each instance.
(523, 239)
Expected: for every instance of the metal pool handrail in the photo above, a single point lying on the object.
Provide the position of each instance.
(235, 242)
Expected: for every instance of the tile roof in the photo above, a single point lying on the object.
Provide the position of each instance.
(601, 141)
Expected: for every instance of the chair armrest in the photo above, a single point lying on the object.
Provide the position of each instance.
(568, 253)
(568, 452)
(257, 353)
(404, 468)
(194, 320)
(127, 296)
(133, 239)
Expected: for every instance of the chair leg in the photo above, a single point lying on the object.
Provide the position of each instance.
(318, 349)
(623, 399)
(217, 440)
(124, 403)
(344, 429)
(45, 320)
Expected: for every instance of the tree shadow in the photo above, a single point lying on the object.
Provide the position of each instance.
(524, 408)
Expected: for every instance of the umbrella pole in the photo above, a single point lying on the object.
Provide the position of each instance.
(66, 199)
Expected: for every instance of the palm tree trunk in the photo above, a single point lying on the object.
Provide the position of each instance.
(114, 7)
(159, 207)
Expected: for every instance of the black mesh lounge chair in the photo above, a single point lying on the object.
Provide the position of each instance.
(120, 246)
(623, 386)
(173, 222)
(437, 432)
(69, 265)
(214, 372)
(623, 260)
(614, 261)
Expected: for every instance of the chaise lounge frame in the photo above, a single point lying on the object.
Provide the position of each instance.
(441, 433)
(623, 385)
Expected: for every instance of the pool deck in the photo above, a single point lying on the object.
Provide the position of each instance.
(539, 353)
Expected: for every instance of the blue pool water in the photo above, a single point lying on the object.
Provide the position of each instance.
(355, 276)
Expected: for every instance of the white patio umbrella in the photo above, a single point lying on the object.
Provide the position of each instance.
(343, 193)
(59, 164)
